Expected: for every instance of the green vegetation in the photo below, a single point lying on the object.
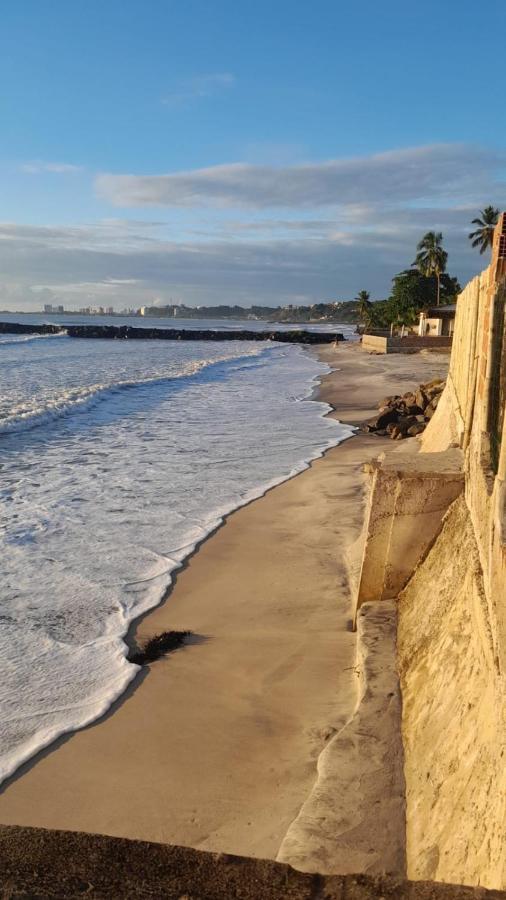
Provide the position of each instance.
(363, 300)
(340, 311)
(484, 234)
(411, 292)
(431, 258)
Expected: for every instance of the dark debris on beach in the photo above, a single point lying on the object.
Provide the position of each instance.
(158, 646)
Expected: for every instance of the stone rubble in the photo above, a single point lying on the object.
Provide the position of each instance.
(407, 415)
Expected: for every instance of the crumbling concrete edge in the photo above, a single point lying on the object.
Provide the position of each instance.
(354, 818)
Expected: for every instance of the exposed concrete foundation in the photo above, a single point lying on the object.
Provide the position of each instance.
(376, 343)
(409, 495)
(453, 704)
(449, 572)
(341, 829)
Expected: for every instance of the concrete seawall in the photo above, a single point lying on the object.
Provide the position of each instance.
(436, 543)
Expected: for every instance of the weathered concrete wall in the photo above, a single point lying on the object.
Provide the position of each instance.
(409, 495)
(453, 708)
(374, 343)
(452, 616)
(342, 829)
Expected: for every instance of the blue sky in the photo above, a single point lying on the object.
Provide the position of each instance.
(242, 152)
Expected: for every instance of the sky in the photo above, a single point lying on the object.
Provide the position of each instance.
(242, 152)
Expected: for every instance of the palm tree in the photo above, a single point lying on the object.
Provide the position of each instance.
(364, 306)
(431, 258)
(484, 234)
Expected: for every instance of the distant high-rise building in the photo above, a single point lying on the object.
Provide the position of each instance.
(48, 307)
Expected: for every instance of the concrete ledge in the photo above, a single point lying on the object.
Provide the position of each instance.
(376, 343)
(37, 865)
(410, 493)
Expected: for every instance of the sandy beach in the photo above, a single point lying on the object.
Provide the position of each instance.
(215, 746)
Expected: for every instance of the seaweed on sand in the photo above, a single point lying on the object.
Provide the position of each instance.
(158, 646)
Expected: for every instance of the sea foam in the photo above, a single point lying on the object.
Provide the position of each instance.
(116, 462)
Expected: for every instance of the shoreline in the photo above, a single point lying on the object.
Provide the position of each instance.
(276, 659)
(117, 695)
(259, 493)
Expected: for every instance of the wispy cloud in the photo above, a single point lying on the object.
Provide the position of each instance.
(90, 261)
(314, 231)
(431, 173)
(56, 168)
(198, 87)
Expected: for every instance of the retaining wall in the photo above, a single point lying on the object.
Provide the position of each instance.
(375, 343)
(452, 616)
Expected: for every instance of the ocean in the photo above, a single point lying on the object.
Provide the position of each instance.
(117, 459)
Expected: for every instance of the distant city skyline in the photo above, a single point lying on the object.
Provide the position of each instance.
(237, 153)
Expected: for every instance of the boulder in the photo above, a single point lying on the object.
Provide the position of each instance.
(413, 430)
(385, 418)
(431, 407)
(388, 401)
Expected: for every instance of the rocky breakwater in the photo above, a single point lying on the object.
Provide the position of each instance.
(128, 332)
(24, 328)
(407, 415)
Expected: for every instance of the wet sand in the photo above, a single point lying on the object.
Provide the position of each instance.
(216, 745)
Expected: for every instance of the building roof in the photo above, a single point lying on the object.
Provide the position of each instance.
(441, 312)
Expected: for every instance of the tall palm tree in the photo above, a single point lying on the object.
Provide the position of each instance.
(431, 258)
(484, 234)
(364, 306)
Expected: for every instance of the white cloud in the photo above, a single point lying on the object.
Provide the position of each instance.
(82, 263)
(36, 168)
(345, 225)
(416, 175)
(198, 87)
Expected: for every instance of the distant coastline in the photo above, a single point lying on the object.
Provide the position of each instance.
(338, 312)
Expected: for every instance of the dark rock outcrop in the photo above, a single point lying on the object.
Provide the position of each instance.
(36, 864)
(24, 328)
(406, 415)
(129, 332)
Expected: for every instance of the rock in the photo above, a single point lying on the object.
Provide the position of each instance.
(399, 431)
(421, 398)
(430, 409)
(414, 410)
(413, 430)
(407, 421)
(385, 418)
(388, 401)
(435, 383)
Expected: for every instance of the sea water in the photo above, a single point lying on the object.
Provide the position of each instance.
(116, 459)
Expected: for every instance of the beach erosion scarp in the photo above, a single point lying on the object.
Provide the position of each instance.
(217, 746)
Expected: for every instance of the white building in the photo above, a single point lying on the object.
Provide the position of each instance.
(438, 321)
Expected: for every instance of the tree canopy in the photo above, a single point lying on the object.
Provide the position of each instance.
(431, 258)
(411, 292)
(483, 236)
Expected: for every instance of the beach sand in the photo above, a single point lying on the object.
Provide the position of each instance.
(216, 745)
